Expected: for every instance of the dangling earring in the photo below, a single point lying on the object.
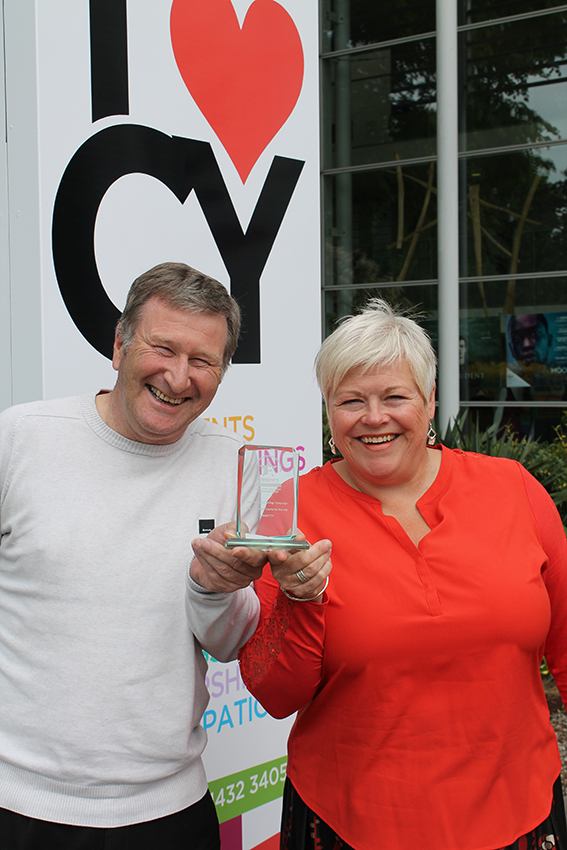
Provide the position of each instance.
(431, 436)
(332, 446)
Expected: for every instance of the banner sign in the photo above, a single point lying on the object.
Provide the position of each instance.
(245, 761)
(184, 131)
(187, 131)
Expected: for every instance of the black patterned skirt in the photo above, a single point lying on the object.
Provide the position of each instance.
(303, 830)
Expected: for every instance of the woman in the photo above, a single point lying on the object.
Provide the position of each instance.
(422, 721)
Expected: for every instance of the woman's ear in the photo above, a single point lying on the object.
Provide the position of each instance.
(431, 405)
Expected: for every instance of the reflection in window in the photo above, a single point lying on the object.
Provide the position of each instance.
(530, 294)
(476, 11)
(380, 209)
(380, 105)
(392, 233)
(516, 213)
(353, 23)
(419, 302)
(514, 83)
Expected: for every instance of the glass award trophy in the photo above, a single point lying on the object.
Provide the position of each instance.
(266, 511)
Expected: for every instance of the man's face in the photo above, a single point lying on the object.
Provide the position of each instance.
(524, 337)
(168, 375)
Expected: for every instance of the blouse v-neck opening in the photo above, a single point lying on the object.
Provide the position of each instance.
(428, 498)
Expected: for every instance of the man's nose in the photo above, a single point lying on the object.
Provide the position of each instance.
(178, 375)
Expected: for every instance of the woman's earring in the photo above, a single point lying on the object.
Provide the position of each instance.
(332, 446)
(431, 436)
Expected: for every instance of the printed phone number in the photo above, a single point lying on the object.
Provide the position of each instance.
(261, 784)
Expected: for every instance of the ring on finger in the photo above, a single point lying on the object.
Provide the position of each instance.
(301, 576)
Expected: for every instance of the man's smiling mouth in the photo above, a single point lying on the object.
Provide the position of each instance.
(387, 438)
(163, 397)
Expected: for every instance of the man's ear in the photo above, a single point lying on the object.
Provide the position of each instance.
(117, 349)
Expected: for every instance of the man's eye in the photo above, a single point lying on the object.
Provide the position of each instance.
(163, 349)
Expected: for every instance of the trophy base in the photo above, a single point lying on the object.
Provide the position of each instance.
(285, 544)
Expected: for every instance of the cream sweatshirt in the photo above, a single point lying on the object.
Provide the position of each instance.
(102, 678)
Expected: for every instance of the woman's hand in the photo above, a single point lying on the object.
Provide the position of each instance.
(303, 574)
(221, 570)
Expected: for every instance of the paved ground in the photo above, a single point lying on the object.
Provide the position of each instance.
(559, 723)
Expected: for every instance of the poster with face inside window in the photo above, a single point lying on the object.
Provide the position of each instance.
(536, 354)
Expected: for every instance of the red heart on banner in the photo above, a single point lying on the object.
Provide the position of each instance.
(246, 81)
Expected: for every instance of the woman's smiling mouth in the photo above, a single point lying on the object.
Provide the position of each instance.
(387, 438)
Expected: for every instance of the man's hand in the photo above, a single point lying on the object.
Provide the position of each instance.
(221, 570)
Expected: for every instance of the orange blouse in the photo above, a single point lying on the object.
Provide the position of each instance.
(422, 720)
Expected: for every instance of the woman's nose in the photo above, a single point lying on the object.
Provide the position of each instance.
(375, 413)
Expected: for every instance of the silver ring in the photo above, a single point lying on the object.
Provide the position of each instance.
(301, 576)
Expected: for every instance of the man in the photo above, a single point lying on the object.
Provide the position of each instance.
(522, 336)
(530, 339)
(101, 676)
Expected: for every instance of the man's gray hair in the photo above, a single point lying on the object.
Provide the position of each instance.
(183, 287)
(377, 336)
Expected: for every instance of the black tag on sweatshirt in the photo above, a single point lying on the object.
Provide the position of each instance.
(206, 525)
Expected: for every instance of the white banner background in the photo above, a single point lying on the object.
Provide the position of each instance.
(141, 223)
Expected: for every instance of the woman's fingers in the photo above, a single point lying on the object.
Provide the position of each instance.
(302, 574)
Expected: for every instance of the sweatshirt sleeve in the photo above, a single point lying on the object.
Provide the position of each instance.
(281, 664)
(221, 622)
(554, 576)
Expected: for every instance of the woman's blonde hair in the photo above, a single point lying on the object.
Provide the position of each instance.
(377, 336)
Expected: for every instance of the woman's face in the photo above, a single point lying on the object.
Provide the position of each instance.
(379, 421)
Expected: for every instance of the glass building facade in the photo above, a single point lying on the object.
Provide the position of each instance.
(379, 187)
